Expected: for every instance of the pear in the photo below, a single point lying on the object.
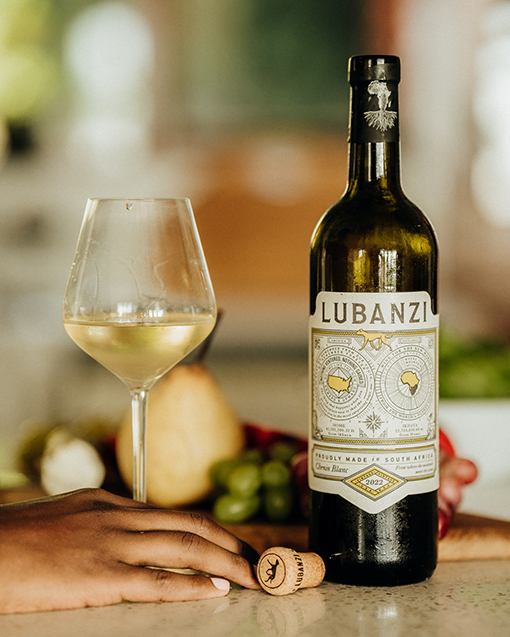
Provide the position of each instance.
(191, 425)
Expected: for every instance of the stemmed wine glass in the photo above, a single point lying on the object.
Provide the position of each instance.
(139, 297)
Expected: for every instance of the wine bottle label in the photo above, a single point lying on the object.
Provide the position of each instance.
(373, 373)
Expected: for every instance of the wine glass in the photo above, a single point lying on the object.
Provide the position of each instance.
(139, 297)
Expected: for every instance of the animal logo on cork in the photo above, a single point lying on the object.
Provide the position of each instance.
(271, 570)
(383, 118)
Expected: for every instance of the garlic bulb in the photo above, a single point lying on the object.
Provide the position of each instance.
(70, 463)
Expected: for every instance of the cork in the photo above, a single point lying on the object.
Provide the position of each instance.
(281, 570)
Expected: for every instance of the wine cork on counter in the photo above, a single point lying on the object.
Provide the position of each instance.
(281, 570)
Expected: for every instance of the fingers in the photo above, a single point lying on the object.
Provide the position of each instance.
(183, 539)
(125, 514)
(140, 516)
(461, 469)
(138, 534)
(451, 491)
(181, 549)
(147, 520)
(154, 585)
(84, 500)
(455, 474)
(444, 523)
(125, 583)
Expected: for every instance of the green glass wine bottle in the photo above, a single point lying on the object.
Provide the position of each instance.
(373, 448)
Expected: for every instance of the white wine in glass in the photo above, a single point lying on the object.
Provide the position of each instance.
(139, 297)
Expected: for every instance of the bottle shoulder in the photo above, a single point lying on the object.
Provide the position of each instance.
(383, 217)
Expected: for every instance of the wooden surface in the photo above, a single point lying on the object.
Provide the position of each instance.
(470, 537)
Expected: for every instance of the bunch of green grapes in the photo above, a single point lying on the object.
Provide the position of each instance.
(257, 482)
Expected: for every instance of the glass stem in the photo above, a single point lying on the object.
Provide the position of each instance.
(139, 418)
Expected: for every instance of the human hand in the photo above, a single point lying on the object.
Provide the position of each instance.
(455, 473)
(91, 548)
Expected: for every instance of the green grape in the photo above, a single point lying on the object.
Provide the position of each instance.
(253, 455)
(278, 503)
(283, 451)
(275, 474)
(221, 470)
(230, 509)
(244, 481)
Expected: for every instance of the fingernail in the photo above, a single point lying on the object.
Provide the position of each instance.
(221, 584)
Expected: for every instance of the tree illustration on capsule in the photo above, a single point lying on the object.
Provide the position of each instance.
(383, 118)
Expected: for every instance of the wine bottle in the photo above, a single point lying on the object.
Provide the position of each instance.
(373, 448)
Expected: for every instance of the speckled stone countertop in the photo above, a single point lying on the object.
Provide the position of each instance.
(462, 599)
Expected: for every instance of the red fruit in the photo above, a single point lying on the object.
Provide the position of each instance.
(445, 445)
(299, 468)
(444, 524)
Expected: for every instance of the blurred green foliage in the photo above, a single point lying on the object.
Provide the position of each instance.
(298, 53)
(473, 367)
(28, 70)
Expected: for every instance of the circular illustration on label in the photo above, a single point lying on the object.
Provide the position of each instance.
(404, 382)
(343, 381)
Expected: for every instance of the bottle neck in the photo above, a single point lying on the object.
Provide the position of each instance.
(374, 164)
(374, 139)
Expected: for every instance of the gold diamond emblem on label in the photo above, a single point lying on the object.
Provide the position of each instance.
(374, 482)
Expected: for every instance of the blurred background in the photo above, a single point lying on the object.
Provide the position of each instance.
(242, 106)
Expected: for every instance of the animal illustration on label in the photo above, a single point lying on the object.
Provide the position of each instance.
(371, 338)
